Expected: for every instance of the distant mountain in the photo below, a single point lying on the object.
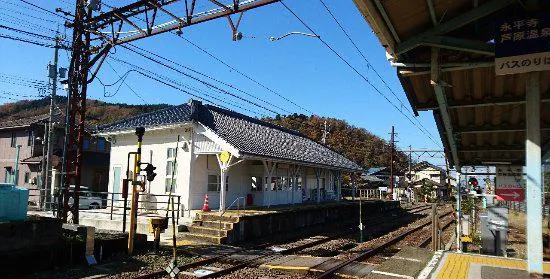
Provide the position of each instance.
(98, 112)
(358, 144)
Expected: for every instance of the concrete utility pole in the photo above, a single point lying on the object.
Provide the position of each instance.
(392, 142)
(16, 167)
(52, 74)
(325, 133)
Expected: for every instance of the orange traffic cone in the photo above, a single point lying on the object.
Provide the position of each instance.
(205, 205)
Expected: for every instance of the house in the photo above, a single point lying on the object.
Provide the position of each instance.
(265, 163)
(29, 134)
(424, 172)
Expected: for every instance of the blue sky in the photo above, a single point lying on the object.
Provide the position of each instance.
(299, 68)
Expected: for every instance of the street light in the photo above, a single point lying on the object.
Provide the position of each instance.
(293, 33)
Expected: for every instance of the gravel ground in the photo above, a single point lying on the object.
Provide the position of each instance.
(263, 273)
(379, 240)
(122, 266)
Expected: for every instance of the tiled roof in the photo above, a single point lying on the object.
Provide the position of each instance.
(250, 136)
(167, 116)
(27, 121)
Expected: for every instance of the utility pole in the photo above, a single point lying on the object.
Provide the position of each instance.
(325, 133)
(409, 181)
(92, 39)
(52, 74)
(392, 142)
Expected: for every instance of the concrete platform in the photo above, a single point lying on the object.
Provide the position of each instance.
(473, 266)
(234, 226)
(407, 264)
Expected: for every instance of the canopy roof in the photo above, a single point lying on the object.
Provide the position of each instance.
(480, 116)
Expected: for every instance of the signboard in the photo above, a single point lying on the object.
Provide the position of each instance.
(383, 189)
(510, 184)
(522, 44)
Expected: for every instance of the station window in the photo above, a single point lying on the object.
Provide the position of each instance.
(168, 184)
(255, 183)
(170, 166)
(213, 183)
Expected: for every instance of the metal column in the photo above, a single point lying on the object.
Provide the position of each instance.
(533, 193)
(458, 215)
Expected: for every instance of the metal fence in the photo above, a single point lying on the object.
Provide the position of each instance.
(111, 203)
(522, 207)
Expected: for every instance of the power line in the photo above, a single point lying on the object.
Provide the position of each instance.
(45, 10)
(28, 15)
(235, 70)
(358, 73)
(246, 76)
(23, 22)
(127, 85)
(27, 41)
(361, 53)
(208, 76)
(26, 32)
(164, 80)
(403, 105)
(199, 80)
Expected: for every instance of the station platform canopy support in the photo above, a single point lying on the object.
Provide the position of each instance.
(483, 68)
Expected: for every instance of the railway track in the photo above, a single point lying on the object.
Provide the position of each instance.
(256, 259)
(380, 247)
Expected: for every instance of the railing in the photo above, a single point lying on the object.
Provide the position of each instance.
(237, 200)
(522, 207)
(92, 202)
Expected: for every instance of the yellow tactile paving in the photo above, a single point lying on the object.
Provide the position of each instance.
(456, 265)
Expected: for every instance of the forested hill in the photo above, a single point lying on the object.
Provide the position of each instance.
(357, 144)
(98, 112)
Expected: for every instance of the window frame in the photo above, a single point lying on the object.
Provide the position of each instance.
(217, 183)
(170, 158)
(29, 137)
(13, 142)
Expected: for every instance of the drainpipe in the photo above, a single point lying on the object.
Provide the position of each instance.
(16, 167)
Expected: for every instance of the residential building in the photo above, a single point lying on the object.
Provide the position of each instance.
(424, 172)
(268, 165)
(29, 134)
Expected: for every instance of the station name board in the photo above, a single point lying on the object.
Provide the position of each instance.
(522, 44)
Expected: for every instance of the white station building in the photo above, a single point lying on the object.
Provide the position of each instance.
(215, 144)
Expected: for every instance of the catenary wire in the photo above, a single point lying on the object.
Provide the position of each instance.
(199, 80)
(208, 76)
(232, 68)
(137, 68)
(359, 73)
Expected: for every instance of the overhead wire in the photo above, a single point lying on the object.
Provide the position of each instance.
(209, 77)
(369, 64)
(232, 68)
(26, 32)
(125, 83)
(45, 10)
(199, 80)
(358, 73)
(166, 79)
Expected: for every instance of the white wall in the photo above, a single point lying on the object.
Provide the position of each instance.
(197, 163)
(158, 142)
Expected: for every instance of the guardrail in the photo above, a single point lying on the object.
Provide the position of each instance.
(42, 200)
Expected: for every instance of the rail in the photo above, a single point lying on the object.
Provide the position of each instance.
(109, 203)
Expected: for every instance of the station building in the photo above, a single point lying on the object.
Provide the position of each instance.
(268, 165)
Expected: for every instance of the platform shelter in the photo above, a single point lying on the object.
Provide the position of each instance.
(483, 68)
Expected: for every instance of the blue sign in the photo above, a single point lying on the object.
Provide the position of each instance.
(524, 35)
